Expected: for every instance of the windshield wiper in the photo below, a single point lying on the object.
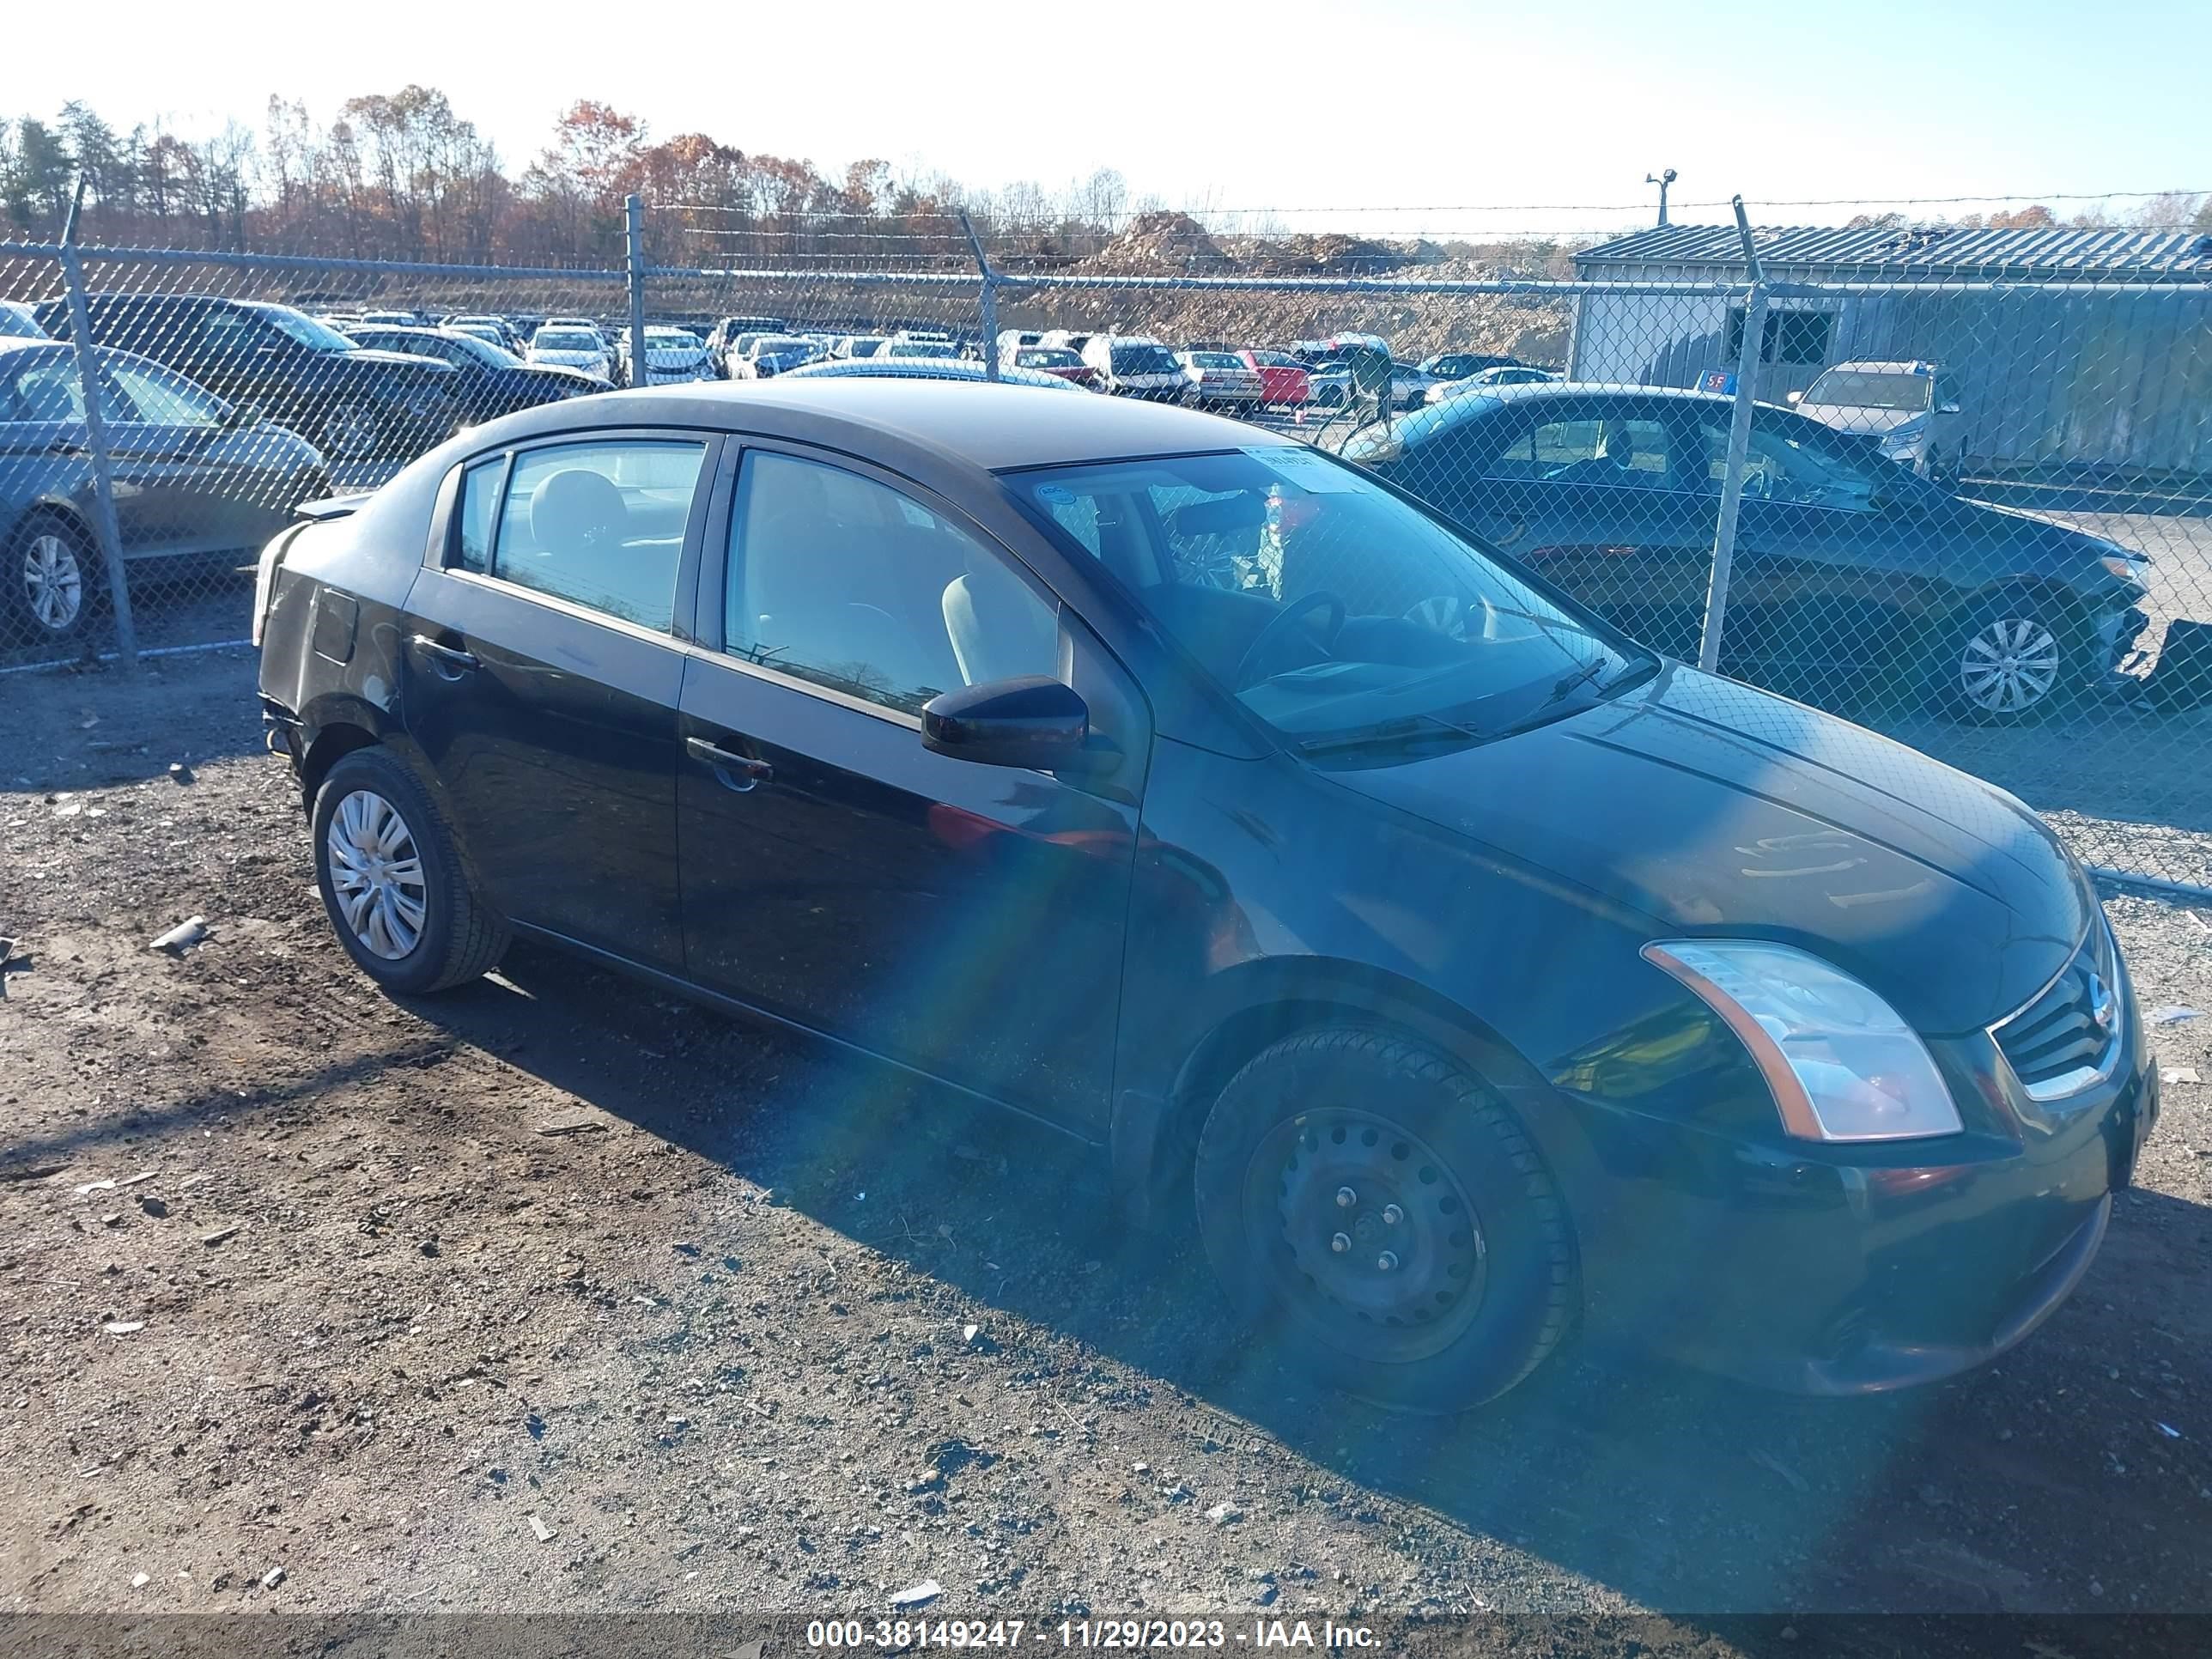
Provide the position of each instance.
(1391, 733)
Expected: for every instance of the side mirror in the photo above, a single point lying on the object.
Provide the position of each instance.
(1946, 408)
(241, 417)
(1034, 722)
(1793, 397)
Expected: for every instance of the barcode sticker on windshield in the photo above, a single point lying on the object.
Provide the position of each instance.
(1309, 469)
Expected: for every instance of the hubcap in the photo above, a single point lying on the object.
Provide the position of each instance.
(53, 580)
(350, 432)
(376, 873)
(2010, 665)
(1370, 1236)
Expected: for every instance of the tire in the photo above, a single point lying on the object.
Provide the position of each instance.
(54, 579)
(430, 929)
(1942, 472)
(1473, 1280)
(349, 430)
(2009, 659)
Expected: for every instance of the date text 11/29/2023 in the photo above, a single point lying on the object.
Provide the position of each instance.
(896, 1635)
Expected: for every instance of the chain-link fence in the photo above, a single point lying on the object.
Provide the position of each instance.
(1971, 509)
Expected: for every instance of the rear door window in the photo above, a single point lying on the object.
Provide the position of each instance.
(600, 524)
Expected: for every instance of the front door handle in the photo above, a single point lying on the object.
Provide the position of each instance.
(735, 772)
(451, 660)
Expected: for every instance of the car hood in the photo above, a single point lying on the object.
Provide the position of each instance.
(1718, 810)
(1865, 423)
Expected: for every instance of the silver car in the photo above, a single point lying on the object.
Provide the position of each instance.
(1910, 409)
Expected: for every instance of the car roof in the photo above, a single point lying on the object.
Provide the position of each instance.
(992, 427)
(1868, 365)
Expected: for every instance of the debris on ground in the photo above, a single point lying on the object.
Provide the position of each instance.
(2178, 1074)
(182, 937)
(122, 1327)
(1224, 1515)
(180, 772)
(2171, 1014)
(544, 1532)
(219, 1235)
(153, 1206)
(573, 1126)
(915, 1596)
(272, 1578)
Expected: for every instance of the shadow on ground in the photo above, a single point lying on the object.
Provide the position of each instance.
(2042, 1483)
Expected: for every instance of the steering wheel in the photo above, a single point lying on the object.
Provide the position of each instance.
(1279, 625)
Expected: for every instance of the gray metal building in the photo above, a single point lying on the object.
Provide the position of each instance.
(2079, 352)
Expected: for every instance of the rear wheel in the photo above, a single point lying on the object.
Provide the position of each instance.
(1382, 1216)
(53, 577)
(398, 893)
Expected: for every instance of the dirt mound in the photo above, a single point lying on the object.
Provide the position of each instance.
(1166, 242)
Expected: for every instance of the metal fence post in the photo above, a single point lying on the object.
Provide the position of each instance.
(1739, 449)
(988, 301)
(105, 529)
(641, 368)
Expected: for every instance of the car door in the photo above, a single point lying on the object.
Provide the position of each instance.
(543, 661)
(212, 485)
(1587, 492)
(1830, 579)
(966, 920)
(46, 413)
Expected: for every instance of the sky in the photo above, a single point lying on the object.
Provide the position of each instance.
(1324, 114)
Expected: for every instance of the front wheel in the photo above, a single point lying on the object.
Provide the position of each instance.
(1382, 1216)
(2010, 659)
(399, 896)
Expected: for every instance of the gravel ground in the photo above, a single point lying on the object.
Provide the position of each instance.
(554, 1294)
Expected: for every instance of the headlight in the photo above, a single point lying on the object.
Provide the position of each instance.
(2126, 563)
(1840, 1062)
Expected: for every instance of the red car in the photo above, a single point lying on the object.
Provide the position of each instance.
(1284, 382)
(1052, 359)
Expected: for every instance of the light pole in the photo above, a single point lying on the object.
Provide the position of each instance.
(1662, 181)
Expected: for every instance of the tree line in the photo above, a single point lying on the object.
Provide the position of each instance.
(405, 176)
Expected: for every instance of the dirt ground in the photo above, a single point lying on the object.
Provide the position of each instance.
(555, 1294)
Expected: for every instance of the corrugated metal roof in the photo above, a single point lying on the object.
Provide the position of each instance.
(1918, 250)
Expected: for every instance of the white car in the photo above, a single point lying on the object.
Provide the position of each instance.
(1910, 409)
(17, 322)
(1221, 377)
(767, 354)
(907, 346)
(672, 357)
(1504, 374)
(564, 346)
(859, 345)
(1134, 366)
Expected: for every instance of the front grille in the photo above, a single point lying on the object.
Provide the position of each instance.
(2057, 1045)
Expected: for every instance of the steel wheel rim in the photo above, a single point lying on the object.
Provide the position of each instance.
(2009, 665)
(350, 432)
(1378, 1288)
(53, 580)
(376, 876)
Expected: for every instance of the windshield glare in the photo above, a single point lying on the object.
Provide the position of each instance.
(1219, 547)
(316, 336)
(564, 340)
(1854, 389)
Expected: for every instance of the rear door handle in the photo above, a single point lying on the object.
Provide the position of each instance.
(445, 656)
(735, 772)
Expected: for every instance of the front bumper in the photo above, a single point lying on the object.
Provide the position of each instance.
(1843, 1271)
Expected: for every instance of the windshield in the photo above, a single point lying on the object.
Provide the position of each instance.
(316, 336)
(1852, 388)
(1047, 357)
(775, 345)
(1143, 360)
(1276, 360)
(1215, 359)
(1332, 609)
(477, 346)
(563, 339)
(672, 339)
(917, 349)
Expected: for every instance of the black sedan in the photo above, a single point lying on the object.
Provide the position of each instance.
(1192, 791)
(490, 381)
(357, 405)
(1848, 570)
(193, 480)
